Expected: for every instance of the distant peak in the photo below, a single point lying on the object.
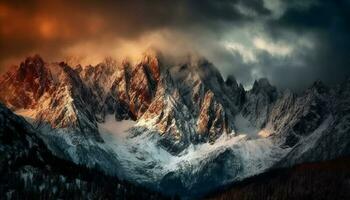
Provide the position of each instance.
(319, 86)
(34, 60)
(32, 66)
(231, 81)
(264, 82)
(318, 83)
(261, 83)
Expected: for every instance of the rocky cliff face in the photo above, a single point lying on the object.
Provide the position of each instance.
(259, 103)
(50, 94)
(324, 126)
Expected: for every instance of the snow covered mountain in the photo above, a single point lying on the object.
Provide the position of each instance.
(179, 128)
(29, 170)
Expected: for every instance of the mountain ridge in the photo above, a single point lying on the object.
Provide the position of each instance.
(177, 111)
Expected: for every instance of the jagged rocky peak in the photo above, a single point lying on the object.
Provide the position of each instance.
(98, 71)
(236, 91)
(319, 87)
(142, 85)
(231, 81)
(103, 70)
(263, 85)
(213, 120)
(50, 94)
(296, 116)
(24, 85)
(100, 78)
(133, 87)
(197, 69)
(191, 105)
(32, 67)
(209, 73)
(151, 59)
(195, 77)
(259, 102)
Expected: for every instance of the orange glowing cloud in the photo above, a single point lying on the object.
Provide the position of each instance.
(47, 28)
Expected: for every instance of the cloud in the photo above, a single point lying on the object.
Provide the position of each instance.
(290, 42)
(324, 24)
(48, 27)
(272, 48)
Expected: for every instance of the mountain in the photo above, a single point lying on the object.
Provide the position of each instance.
(176, 127)
(328, 122)
(50, 94)
(29, 170)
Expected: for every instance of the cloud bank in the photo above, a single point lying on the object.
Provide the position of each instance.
(290, 43)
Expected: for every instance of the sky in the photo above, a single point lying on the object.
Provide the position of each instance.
(292, 43)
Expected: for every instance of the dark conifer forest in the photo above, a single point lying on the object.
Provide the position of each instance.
(328, 180)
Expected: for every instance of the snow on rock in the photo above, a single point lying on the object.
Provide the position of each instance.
(244, 127)
(144, 161)
(300, 152)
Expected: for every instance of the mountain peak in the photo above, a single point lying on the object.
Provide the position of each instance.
(263, 84)
(27, 83)
(319, 86)
(150, 63)
(36, 59)
(231, 81)
(32, 66)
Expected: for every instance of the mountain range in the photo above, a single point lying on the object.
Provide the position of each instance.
(178, 128)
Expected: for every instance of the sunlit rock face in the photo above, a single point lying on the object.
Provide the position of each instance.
(124, 89)
(192, 105)
(31, 80)
(50, 94)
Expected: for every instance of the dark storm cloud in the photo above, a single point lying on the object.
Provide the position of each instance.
(320, 15)
(304, 41)
(48, 26)
(327, 22)
(132, 17)
(318, 33)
